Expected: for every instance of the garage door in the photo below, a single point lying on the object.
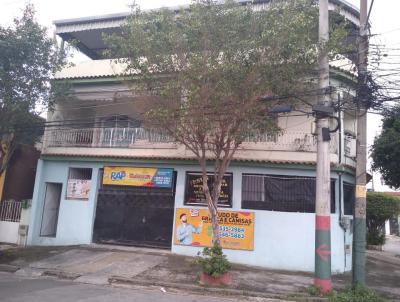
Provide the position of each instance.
(134, 216)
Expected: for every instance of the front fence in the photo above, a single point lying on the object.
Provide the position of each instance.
(10, 210)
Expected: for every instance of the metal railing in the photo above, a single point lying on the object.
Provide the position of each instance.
(103, 137)
(297, 141)
(10, 210)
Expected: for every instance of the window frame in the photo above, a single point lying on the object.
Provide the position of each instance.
(67, 197)
(267, 206)
(198, 204)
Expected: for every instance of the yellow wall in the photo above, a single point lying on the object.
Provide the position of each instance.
(2, 179)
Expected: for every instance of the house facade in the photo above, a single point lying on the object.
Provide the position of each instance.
(102, 178)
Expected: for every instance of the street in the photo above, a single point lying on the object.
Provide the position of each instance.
(14, 289)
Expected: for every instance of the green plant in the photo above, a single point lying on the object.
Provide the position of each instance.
(313, 291)
(26, 203)
(380, 207)
(358, 293)
(213, 262)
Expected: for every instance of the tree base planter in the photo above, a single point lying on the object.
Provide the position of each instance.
(224, 279)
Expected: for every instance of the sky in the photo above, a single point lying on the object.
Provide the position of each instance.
(385, 27)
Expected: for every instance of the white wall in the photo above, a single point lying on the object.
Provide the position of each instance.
(9, 232)
(281, 240)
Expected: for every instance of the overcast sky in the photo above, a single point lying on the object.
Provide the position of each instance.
(385, 22)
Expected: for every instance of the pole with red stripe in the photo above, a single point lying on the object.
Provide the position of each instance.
(322, 202)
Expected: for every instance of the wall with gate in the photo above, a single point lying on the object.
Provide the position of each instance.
(12, 215)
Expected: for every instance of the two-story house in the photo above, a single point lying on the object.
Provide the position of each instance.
(102, 178)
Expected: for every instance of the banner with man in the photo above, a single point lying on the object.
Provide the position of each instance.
(193, 228)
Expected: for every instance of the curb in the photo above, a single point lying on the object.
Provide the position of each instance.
(61, 274)
(386, 259)
(291, 296)
(8, 268)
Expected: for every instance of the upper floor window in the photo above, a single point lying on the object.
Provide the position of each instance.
(281, 193)
(119, 121)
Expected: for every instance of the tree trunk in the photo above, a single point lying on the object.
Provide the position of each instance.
(212, 204)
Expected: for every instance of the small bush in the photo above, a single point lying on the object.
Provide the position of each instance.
(213, 262)
(380, 207)
(358, 293)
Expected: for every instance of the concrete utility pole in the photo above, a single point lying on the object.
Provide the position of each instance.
(359, 234)
(322, 278)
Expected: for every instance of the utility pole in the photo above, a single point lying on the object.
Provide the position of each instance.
(322, 278)
(360, 207)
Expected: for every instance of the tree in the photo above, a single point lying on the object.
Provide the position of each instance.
(201, 73)
(28, 59)
(386, 148)
(380, 207)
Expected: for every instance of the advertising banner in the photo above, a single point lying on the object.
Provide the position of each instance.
(138, 177)
(78, 189)
(193, 228)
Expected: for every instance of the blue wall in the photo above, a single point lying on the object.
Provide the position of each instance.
(281, 240)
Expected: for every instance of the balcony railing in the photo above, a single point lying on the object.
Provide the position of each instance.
(295, 141)
(103, 137)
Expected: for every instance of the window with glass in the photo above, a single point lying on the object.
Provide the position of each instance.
(281, 193)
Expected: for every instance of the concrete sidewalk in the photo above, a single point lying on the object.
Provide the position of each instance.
(138, 267)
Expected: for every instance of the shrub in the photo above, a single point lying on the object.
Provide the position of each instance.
(358, 293)
(213, 262)
(380, 207)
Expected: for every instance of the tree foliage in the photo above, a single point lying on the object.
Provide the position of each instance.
(380, 207)
(386, 148)
(204, 70)
(28, 59)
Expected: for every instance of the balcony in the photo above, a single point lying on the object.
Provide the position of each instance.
(290, 146)
(104, 138)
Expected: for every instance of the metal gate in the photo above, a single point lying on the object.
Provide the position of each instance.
(134, 216)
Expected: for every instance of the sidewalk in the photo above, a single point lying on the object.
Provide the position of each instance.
(138, 267)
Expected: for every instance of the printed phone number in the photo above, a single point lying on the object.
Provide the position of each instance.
(232, 235)
(231, 229)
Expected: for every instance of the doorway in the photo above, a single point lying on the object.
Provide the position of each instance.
(51, 209)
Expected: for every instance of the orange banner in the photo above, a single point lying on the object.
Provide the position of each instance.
(193, 228)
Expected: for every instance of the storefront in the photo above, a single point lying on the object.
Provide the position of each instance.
(266, 212)
(135, 206)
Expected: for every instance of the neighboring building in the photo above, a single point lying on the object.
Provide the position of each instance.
(103, 178)
(18, 178)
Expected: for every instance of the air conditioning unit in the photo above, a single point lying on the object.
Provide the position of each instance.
(350, 146)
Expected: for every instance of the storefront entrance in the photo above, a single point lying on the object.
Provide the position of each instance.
(135, 216)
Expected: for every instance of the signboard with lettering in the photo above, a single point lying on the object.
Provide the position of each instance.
(193, 228)
(194, 194)
(138, 177)
(78, 188)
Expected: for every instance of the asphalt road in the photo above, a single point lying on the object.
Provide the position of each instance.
(20, 289)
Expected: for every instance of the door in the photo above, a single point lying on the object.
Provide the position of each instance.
(134, 216)
(51, 208)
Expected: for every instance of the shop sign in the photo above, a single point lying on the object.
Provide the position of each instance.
(138, 177)
(78, 188)
(194, 194)
(193, 228)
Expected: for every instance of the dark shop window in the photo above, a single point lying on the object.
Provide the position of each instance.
(348, 198)
(194, 194)
(281, 193)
